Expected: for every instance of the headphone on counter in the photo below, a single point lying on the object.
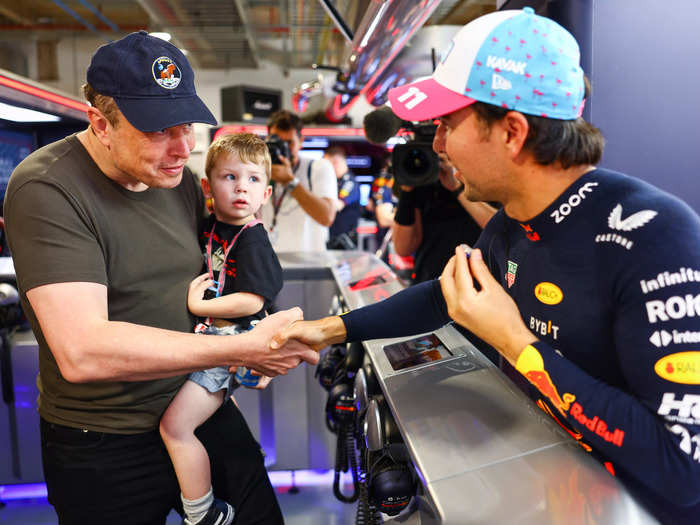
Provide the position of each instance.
(391, 482)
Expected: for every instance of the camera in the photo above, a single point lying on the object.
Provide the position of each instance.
(415, 163)
(277, 147)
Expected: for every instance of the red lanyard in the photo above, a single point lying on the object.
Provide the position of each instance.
(222, 272)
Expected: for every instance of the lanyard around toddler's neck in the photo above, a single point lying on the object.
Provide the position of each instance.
(222, 271)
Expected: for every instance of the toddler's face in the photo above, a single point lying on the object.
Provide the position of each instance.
(238, 188)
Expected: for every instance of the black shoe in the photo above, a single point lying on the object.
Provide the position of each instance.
(220, 513)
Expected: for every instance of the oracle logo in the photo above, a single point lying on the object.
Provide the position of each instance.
(548, 293)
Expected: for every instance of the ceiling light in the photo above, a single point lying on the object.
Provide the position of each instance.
(18, 114)
(161, 35)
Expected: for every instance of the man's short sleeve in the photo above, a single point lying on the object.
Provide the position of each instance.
(51, 238)
(323, 180)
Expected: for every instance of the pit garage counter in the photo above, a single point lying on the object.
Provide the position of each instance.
(483, 452)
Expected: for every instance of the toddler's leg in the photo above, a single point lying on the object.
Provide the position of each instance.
(192, 405)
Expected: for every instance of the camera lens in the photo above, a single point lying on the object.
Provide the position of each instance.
(417, 162)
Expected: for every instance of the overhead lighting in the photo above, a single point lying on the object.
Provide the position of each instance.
(373, 25)
(161, 35)
(18, 114)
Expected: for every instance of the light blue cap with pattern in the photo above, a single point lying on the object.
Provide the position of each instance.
(513, 59)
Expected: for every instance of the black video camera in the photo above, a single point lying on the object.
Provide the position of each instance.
(415, 163)
(277, 147)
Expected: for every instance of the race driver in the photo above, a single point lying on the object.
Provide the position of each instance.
(586, 282)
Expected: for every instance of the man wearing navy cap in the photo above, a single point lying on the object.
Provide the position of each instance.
(588, 279)
(103, 230)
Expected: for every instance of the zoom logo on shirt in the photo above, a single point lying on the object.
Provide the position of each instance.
(574, 200)
(675, 307)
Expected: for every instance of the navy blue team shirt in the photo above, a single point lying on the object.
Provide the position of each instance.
(608, 279)
(346, 219)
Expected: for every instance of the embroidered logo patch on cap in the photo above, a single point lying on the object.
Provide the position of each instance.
(166, 73)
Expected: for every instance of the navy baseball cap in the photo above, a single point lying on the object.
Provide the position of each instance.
(150, 80)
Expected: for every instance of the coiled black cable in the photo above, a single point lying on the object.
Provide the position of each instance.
(346, 458)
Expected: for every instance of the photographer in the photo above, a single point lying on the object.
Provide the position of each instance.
(302, 206)
(431, 220)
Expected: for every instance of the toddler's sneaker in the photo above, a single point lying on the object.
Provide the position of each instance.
(220, 513)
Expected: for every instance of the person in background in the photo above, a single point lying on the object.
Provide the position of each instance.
(382, 203)
(586, 282)
(348, 208)
(103, 227)
(302, 206)
(431, 220)
(244, 271)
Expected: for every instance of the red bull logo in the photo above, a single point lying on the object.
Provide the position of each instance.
(543, 383)
(597, 425)
(571, 431)
(530, 233)
(531, 365)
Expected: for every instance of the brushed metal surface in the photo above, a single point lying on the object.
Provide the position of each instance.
(559, 485)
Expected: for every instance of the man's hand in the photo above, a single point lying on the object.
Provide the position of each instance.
(489, 313)
(282, 173)
(316, 334)
(195, 293)
(277, 360)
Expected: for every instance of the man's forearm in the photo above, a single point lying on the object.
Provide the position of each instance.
(118, 351)
(406, 239)
(320, 209)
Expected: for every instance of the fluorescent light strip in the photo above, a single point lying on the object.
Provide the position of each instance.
(279, 479)
(18, 114)
(306, 132)
(42, 93)
(373, 25)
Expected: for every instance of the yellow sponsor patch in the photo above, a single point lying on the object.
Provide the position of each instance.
(548, 293)
(682, 367)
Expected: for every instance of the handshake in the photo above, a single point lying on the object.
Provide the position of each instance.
(283, 340)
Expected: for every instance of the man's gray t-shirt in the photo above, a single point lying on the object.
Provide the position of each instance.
(67, 222)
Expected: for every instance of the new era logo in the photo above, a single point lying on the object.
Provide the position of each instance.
(498, 82)
(412, 97)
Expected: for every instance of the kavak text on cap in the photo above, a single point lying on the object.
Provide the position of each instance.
(513, 59)
(150, 80)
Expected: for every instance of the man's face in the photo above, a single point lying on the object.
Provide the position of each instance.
(238, 188)
(155, 159)
(292, 138)
(474, 154)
